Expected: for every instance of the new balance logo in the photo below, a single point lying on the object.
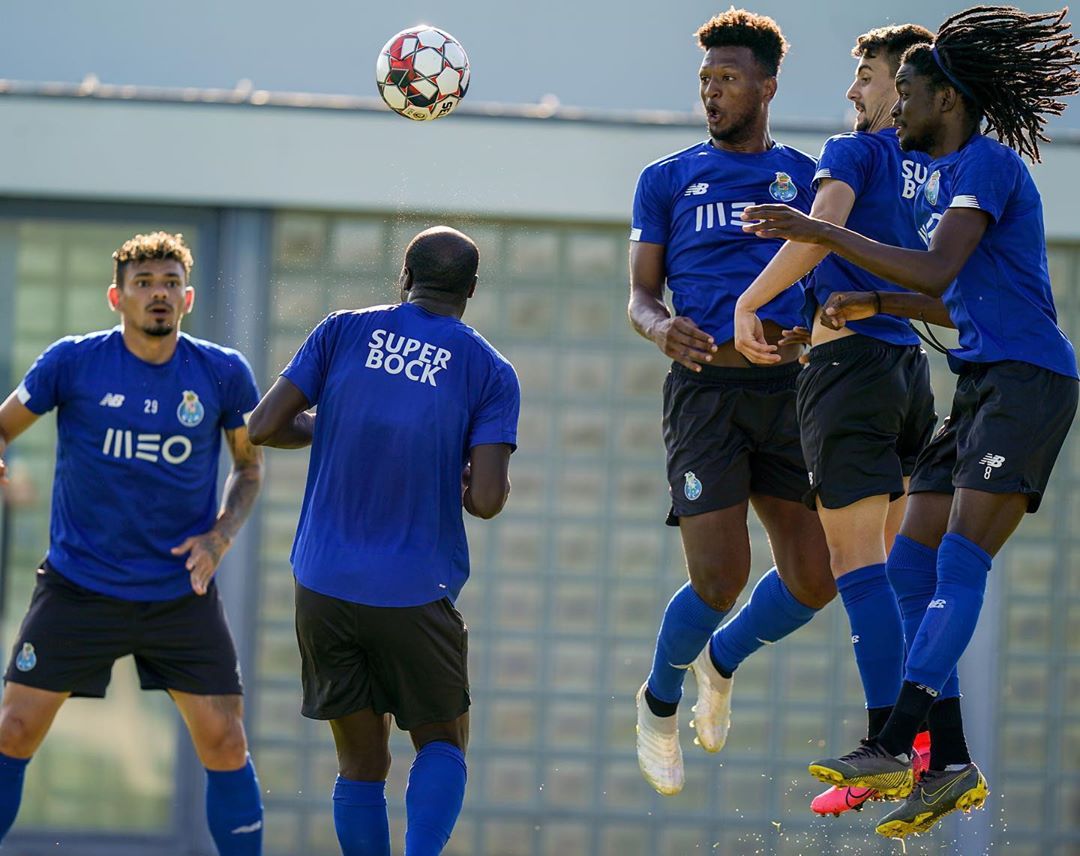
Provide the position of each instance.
(699, 189)
(251, 827)
(991, 462)
(937, 603)
(112, 399)
(146, 447)
(855, 639)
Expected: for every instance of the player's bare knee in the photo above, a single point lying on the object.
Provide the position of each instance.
(20, 734)
(223, 746)
(720, 591)
(364, 766)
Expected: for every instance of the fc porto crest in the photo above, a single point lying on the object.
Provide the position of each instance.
(692, 488)
(783, 189)
(932, 189)
(26, 658)
(191, 410)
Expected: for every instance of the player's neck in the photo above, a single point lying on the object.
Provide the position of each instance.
(755, 142)
(438, 305)
(155, 350)
(952, 138)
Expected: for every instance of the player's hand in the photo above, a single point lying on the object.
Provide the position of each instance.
(844, 306)
(204, 555)
(797, 336)
(783, 221)
(683, 341)
(3, 473)
(750, 339)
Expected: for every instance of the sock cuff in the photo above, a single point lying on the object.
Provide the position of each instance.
(954, 542)
(357, 793)
(695, 611)
(862, 582)
(9, 763)
(791, 604)
(906, 548)
(443, 748)
(228, 777)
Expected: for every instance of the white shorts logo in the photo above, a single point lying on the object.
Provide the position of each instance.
(991, 462)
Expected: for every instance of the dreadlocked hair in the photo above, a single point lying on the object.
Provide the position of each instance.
(1014, 66)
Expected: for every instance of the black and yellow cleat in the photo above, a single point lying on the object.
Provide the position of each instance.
(938, 794)
(869, 766)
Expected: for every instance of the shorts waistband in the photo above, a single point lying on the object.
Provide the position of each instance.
(740, 375)
(854, 344)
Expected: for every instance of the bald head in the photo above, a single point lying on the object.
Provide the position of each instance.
(442, 259)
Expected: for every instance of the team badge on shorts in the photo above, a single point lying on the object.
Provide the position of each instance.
(783, 189)
(191, 410)
(692, 488)
(26, 658)
(932, 188)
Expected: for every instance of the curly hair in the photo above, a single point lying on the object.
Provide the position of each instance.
(1007, 65)
(156, 245)
(739, 28)
(893, 40)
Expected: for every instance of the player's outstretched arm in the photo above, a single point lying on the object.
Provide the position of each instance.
(677, 337)
(832, 204)
(925, 271)
(205, 551)
(281, 419)
(15, 417)
(486, 480)
(844, 306)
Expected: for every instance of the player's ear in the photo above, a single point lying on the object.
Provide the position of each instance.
(113, 296)
(405, 280)
(768, 89)
(472, 288)
(189, 299)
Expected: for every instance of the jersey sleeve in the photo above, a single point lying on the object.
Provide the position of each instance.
(241, 393)
(309, 366)
(844, 158)
(985, 182)
(44, 385)
(496, 418)
(652, 209)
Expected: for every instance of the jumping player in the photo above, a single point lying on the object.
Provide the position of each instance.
(1017, 389)
(407, 397)
(729, 427)
(134, 537)
(865, 405)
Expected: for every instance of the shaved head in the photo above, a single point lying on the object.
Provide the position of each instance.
(442, 259)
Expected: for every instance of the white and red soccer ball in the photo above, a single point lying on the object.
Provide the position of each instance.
(422, 73)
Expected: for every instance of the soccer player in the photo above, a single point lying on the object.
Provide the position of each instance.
(865, 405)
(417, 417)
(729, 427)
(1016, 394)
(134, 537)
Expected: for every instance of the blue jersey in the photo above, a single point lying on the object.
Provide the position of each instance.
(1001, 301)
(136, 456)
(402, 396)
(885, 181)
(691, 202)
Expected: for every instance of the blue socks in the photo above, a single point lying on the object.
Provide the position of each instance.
(234, 811)
(688, 624)
(12, 772)
(877, 634)
(433, 797)
(360, 818)
(952, 613)
(912, 570)
(771, 613)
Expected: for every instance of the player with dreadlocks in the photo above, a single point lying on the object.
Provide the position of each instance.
(1016, 395)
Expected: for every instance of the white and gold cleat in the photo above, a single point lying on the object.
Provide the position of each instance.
(658, 751)
(712, 713)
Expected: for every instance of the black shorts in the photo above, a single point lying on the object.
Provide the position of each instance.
(410, 661)
(71, 636)
(1007, 425)
(730, 433)
(866, 411)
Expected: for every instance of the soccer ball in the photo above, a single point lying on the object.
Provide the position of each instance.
(422, 73)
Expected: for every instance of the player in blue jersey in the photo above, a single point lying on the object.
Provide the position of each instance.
(729, 427)
(865, 405)
(1016, 394)
(417, 418)
(135, 534)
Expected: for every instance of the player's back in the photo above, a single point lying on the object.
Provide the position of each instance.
(402, 396)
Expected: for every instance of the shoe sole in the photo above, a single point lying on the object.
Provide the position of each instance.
(890, 786)
(924, 821)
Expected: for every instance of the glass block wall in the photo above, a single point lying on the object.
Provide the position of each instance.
(569, 584)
